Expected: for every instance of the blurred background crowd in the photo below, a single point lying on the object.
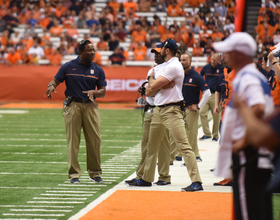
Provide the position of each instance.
(50, 30)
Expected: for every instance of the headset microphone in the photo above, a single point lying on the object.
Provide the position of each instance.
(143, 90)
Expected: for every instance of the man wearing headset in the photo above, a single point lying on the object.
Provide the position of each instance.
(163, 164)
(84, 82)
(168, 116)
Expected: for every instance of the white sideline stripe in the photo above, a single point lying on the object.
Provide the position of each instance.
(53, 198)
(37, 206)
(54, 202)
(39, 210)
(50, 194)
(14, 111)
(29, 214)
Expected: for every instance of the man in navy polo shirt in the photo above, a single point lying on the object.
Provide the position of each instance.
(211, 72)
(84, 81)
(192, 85)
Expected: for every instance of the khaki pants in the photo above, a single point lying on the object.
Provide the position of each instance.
(170, 118)
(191, 124)
(163, 163)
(76, 117)
(204, 119)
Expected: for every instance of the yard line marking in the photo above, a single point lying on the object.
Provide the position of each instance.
(68, 192)
(40, 210)
(14, 111)
(82, 185)
(27, 219)
(29, 153)
(37, 206)
(53, 198)
(37, 162)
(57, 188)
(50, 194)
(54, 202)
(34, 134)
(41, 215)
(6, 173)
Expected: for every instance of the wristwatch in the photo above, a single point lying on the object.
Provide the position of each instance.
(197, 107)
(51, 85)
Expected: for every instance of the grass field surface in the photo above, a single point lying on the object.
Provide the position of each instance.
(33, 177)
(34, 182)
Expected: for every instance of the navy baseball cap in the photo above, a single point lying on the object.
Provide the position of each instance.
(168, 43)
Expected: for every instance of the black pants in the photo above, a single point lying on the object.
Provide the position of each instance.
(249, 188)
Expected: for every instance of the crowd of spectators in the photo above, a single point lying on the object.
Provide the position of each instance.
(116, 22)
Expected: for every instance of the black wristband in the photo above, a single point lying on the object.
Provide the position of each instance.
(274, 62)
(197, 107)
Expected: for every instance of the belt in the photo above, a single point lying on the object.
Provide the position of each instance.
(170, 104)
(82, 100)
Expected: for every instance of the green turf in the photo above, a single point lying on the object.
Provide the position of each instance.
(34, 161)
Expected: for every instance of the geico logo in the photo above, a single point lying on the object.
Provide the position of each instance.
(123, 84)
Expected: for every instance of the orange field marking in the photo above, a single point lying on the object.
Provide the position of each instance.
(134, 204)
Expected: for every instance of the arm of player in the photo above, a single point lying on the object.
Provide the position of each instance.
(276, 66)
(51, 88)
(205, 96)
(99, 93)
(217, 102)
(258, 132)
(159, 83)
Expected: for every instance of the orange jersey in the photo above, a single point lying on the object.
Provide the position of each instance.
(229, 90)
(13, 58)
(56, 31)
(98, 59)
(139, 35)
(55, 59)
(128, 5)
(275, 91)
(174, 12)
(139, 54)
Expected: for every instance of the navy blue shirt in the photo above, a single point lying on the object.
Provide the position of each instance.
(79, 77)
(269, 75)
(211, 75)
(221, 86)
(192, 85)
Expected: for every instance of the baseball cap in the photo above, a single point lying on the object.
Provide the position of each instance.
(239, 41)
(155, 50)
(168, 43)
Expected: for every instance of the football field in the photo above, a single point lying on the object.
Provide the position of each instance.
(34, 182)
(33, 177)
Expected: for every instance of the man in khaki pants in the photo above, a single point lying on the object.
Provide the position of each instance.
(168, 115)
(192, 86)
(211, 72)
(84, 82)
(163, 164)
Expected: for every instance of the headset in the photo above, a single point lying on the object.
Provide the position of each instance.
(143, 90)
(166, 44)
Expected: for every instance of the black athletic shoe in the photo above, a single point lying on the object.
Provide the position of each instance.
(162, 183)
(130, 181)
(198, 159)
(74, 180)
(195, 186)
(178, 158)
(215, 139)
(140, 182)
(97, 179)
(204, 137)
